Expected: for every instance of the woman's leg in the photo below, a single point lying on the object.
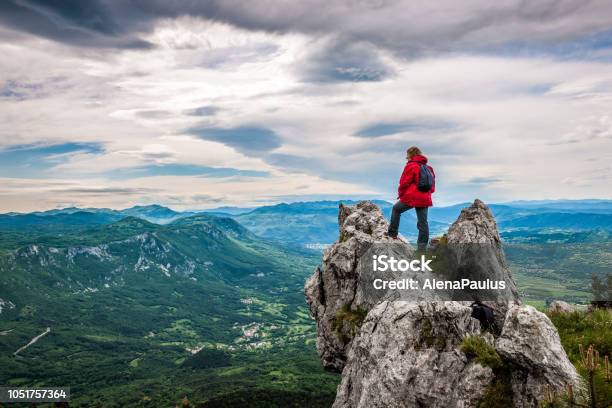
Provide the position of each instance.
(396, 213)
(423, 227)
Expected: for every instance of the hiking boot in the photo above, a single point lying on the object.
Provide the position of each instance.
(419, 252)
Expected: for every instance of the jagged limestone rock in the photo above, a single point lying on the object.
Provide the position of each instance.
(559, 306)
(334, 283)
(476, 245)
(530, 341)
(407, 354)
(475, 225)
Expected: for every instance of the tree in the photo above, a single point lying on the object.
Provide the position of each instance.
(601, 289)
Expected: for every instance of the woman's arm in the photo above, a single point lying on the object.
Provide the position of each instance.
(406, 179)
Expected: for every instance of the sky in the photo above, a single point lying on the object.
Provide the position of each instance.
(193, 105)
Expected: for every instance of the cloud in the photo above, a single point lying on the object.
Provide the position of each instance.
(339, 61)
(290, 198)
(216, 58)
(245, 103)
(406, 28)
(203, 111)
(293, 162)
(485, 180)
(245, 139)
(103, 191)
(181, 169)
(75, 22)
(392, 128)
(12, 89)
(154, 114)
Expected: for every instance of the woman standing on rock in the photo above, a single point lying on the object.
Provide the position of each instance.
(414, 191)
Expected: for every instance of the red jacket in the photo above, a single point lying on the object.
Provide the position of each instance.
(407, 192)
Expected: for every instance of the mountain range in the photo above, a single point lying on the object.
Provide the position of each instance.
(305, 223)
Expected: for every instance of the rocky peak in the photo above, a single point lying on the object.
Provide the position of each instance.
(364, 221)
(475, 225)
(333, 286)
(475, 243)
(413, 354)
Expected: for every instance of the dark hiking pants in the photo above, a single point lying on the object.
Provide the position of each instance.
(422, 224)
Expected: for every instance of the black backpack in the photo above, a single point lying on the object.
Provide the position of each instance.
(426, 178)
(485, 315)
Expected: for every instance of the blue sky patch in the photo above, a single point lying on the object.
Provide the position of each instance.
(31, 161)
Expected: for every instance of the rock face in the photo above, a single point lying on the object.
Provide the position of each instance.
(531, 342)
(559, 306)
(476, 244)
(334, 283)
(475, 225)
(408, 354)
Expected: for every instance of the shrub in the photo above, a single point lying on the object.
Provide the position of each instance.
(498, 394)
(586, 339)
(587, 328)
(208, 358)
(348, 320)
(477, 348)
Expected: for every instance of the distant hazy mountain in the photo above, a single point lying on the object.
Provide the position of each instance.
(577, 221)
(72, 210)
(155, 213)
(75, 219)
(588, 205)
(229, 210)
(315, 222)
(57, 221)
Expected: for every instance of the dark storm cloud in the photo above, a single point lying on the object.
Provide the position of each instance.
(81, 23)
(404, 27)
(250, 140)
(341, 61)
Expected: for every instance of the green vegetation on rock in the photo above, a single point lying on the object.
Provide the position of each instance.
(499, 392)
(348, 321)
(476, 347)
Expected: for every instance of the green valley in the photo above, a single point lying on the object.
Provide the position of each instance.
(143, 314)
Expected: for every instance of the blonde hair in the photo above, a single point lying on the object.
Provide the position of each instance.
(413, 151)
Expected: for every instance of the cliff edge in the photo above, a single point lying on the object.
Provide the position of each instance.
(430, 354)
